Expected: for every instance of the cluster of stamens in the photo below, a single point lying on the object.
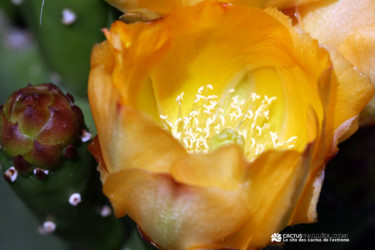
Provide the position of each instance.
(210, 115)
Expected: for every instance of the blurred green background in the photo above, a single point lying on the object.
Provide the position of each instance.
(347, 202)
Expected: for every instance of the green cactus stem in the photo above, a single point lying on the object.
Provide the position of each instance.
(61, 187)
(66, 31)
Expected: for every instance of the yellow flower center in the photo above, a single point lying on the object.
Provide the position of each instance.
(225, 137)
(213, 122)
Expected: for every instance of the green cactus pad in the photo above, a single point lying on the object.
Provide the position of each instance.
(66, 43)
(70, 200)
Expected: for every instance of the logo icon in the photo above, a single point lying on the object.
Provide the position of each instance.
(276, 237)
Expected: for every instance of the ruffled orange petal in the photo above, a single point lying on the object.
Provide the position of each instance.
(174, 215)
(153, 9)
(280, 4)
(346, 28)
(179, 216)
(354, 91)
(345, 25)
(132, 46)
(223, 168)
(128, 138)
(273, 186)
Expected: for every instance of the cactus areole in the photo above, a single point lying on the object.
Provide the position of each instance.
(38, 126)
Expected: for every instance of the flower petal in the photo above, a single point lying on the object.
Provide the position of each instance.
(223, 168)
(305, 211)
(140, 44)
(346, 28)
(153, 9)
(346, 25)
(135, 141)
(354, 91)
(174, 215)
(273, 185)
(129, 138)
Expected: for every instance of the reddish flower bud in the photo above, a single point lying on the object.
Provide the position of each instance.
(21, 164)
(37, 123)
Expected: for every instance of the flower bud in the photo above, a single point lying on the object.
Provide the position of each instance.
(37, 123)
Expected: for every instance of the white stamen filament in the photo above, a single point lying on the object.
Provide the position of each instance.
(208, 117)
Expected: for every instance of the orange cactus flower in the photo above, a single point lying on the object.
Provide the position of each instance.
(215, 122)
(153, 9)
(347, 29)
